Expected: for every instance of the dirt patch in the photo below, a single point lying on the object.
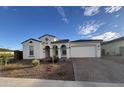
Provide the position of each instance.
(58, 71)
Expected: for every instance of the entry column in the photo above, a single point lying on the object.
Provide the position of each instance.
(68, 52)
(51, 52)
(59, 52)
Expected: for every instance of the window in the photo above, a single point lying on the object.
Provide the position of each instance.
(31, 50)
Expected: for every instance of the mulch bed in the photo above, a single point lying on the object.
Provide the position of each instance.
(24, 69)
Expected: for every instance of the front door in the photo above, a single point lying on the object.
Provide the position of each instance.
(47, 51)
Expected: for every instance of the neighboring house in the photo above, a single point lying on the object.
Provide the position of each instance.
(49, 46)
(113, 47)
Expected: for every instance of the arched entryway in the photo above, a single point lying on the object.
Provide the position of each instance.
(63, 51)
(55, 51)
(47, 51)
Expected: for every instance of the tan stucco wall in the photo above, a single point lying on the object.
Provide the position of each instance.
(113, 48)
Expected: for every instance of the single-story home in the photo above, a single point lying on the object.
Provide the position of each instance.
(49, 46)
(114, 47)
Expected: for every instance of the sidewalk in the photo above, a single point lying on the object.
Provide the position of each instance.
(17, 82)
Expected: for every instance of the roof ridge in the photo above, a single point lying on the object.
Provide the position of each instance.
(46, 35)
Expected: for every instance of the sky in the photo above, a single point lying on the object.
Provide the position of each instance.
(19, 23)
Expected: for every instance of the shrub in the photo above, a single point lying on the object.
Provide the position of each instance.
(61, 73)
(5, 57)
(35, 62)
(1, 62)
(56, 59)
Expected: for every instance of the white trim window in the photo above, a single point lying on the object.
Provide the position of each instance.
(31, 51)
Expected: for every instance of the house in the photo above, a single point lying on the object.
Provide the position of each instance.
(49, 46)
(114, 47)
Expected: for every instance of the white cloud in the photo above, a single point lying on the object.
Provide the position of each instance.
(117, 15)
(65, 20)
(89, 28)
(92, 10)
(62, 13)
(112, 9)
(107, 36)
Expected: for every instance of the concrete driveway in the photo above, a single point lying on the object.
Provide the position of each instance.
(105, 69)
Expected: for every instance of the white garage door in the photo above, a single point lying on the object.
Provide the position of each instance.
(87, 51)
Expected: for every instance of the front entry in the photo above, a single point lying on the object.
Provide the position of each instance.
(47, 51)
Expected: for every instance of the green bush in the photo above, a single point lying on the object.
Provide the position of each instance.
(35, 62)
(61, 73)
(56, 59)
(1, 62)
(5, 57)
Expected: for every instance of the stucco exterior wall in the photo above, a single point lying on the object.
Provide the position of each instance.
(113, 48)
(59, 49)
(50, 39)
(38, 50)
(82, 49)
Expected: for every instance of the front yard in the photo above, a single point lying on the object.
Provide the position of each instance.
(24, 69)
(106, 69)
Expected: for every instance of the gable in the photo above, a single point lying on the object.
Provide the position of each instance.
(47, 35)
(30, 41)
(48, 39)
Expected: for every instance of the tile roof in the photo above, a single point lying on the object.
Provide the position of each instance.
(61, 41)
(86, 40)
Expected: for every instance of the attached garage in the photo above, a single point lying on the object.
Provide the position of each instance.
(84, 51)
(85, 48)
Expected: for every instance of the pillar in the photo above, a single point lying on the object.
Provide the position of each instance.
(68, 52)
(59, 52)
(51, 52)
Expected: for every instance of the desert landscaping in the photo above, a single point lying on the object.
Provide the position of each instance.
(44, 70)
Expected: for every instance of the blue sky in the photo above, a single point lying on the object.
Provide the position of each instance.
(18, 24)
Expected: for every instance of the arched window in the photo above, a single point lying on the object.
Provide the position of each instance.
(63, 50)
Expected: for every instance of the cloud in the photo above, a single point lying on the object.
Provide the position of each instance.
(112, 9)
(89, 27)
(117, 15)
(62, 13)
(92, 10)
(65, 20)
(107, 36)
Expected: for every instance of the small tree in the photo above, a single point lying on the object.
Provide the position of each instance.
(5, 57)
